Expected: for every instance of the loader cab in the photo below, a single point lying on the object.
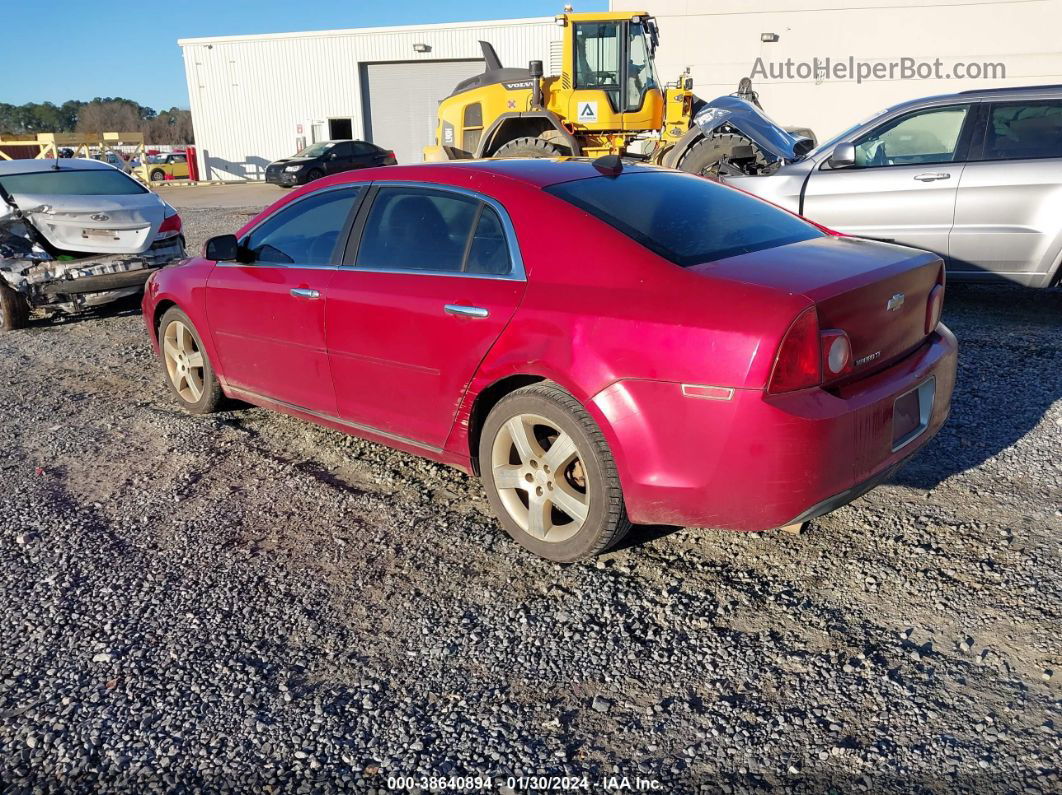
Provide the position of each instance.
(608, 64)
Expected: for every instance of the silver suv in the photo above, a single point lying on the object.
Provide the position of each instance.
(975, 177)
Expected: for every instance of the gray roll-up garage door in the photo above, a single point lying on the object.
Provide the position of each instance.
(401, 101)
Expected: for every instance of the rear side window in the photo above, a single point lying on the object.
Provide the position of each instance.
(683, 218)
(71, 182)
(1024, 130)
(488, 252)
(304, 232)
(415, 229)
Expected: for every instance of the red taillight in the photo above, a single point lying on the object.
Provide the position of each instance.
(171, 226)
(836, 353)
(934, 307)
(798, 364)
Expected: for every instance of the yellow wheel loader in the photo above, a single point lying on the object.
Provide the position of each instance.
(608, 100)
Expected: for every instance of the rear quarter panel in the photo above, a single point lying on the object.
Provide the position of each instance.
(600, 308)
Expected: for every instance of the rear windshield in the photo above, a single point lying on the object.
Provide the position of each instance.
(683, 218)
(71, 182)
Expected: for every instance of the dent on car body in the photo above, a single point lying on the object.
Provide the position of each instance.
(62, 280)
(777, 144)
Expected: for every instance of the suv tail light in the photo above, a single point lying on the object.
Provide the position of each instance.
(798, 364)
(170, 227)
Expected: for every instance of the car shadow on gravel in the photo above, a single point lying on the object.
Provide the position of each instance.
(1009, 375)
(123, 307)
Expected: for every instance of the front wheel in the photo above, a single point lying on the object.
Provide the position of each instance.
(314, 173)
(188, 370)
(158, 175)
(718, 153)
(550, 476)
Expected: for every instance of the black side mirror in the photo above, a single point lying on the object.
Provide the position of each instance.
(844, 155)
(223, 248)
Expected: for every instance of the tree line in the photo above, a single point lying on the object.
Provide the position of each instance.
(102, 114)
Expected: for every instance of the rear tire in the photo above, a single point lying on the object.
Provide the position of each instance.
(704, 157)
(187, 368)
(550, 476)
(14, 309)
(528, 147)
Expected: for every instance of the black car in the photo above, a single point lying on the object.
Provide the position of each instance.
(327, 157)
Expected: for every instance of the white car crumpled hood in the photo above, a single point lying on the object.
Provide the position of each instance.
(95, 224)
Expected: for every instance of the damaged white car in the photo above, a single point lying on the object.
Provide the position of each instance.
(76, 234)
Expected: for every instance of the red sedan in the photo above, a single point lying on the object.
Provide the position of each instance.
(601, 345)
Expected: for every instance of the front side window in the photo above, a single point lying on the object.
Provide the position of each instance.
(72, 182)
(303, 233)
(597, 57)
(685, 219)
(1022, 130)
(641, 75)
(928, 136)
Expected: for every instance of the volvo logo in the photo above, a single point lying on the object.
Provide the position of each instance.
(894, 303)
(100, 217)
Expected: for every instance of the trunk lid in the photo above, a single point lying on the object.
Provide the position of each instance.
(95, 224)
(877, 293)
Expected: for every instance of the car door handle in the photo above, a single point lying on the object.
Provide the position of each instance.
(303, 292)
(466, 311)
(932, 177)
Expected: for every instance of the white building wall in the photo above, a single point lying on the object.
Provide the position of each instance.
(249, 93)
(720, 41)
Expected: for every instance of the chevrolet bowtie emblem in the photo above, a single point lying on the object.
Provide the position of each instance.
(894, 303)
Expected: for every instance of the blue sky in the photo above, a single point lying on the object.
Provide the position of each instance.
(131, 51)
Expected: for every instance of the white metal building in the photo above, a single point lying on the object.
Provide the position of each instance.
(255, 99)
(720, 40)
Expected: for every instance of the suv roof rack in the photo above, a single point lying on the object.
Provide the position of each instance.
(1009, 89)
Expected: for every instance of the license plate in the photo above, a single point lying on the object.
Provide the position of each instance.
(911, 412)
(110, 233)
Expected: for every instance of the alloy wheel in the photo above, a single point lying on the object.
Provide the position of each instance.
(184, 361)
(540, 478)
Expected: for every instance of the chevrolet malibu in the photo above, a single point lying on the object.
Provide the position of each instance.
(601, 343)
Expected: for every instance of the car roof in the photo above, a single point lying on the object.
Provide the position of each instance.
(538, 172)
(37, 165)
(1001, 93)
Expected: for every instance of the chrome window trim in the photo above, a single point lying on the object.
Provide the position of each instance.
(516, 274)
(295, 203)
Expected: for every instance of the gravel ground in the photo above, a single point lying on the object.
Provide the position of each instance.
(249, 601)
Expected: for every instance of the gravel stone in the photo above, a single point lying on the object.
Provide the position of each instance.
(249, 602)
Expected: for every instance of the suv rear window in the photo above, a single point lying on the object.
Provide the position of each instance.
(684, 218)
(72, 182)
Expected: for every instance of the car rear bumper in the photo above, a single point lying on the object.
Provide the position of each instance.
(753, 461)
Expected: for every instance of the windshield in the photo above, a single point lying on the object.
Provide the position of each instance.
(847, 133)
(71, 182)
(315, 150)
(686, 219)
